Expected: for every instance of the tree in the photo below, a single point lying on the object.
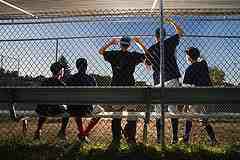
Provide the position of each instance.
(217, 76)
(67, 69)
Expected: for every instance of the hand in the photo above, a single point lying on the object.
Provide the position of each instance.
(137, 39)
(115, 40)
(168, 20)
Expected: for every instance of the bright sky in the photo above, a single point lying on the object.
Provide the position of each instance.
(35, 56)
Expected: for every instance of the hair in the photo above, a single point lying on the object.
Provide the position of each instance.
(157, 32)
(56, 67)
(81, 64)
(193, 53)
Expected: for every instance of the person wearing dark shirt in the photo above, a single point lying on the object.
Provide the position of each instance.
(45, 110)
(123, 64)
(78, 111)
(197, 74)
(171, 73)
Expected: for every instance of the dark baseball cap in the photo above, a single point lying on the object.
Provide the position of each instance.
(193, 53)
(56, 67)
(125, 41)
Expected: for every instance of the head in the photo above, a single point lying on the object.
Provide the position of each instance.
(57, 70)
(192, 55)
(81, 65)
(157, 34)
(125, 43)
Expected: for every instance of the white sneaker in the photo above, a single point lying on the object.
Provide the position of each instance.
(97, 109)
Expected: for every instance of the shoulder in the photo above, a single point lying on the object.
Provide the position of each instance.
(136, 54)
(175, 37)
(153, 47)
(113, 52)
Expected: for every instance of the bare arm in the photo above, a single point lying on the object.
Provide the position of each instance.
(140, 43)
(146, 52)
(113, 41)
(178, 29)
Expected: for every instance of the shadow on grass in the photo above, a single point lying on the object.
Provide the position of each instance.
(19, 149)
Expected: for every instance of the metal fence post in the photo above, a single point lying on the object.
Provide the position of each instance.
(147, 114)
(56, 52)
(1, 59)
(162, 79)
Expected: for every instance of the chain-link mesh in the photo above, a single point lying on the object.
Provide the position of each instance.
(28, 47)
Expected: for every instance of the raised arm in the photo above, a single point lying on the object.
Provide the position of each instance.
(113, 41)
(178, 29)
(146, 52)
(141, 44)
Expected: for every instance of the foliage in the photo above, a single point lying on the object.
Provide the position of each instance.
(217, 76)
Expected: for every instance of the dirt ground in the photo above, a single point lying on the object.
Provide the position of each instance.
(227, 133)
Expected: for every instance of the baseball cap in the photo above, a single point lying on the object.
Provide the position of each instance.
(193, 53)
(125, 41)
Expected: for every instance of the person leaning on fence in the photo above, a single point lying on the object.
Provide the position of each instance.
(78, 111)
(197, 74)
(123, 63)
(171, 72)
(45, 110)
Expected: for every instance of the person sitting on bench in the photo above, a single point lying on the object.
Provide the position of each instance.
(78, 111)
(45, 110)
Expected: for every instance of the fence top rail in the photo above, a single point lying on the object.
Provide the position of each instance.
(119, 95)
(122, 12)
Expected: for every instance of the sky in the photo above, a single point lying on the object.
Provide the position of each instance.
(33, 47)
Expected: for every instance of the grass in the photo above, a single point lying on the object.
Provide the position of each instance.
(20, 148)
(15, 146)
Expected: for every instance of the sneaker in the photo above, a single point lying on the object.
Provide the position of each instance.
(213, 142)
(114, 146)
(83, 139)
(97, 109)
(62, 135)
(174, 141)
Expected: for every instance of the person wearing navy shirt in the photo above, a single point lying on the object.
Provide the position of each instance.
(123, 64)
(45, 110)
(171, 72)
(197, 74)
(78, 111)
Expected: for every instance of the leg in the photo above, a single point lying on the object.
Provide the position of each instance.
(159, 127)
(116, 129)
(130, 131)
(174, 122)
(91, 125)
(79, 123)
(210, 131)
(187, 133)
(41, 121)
(116, 135)
(62, 131)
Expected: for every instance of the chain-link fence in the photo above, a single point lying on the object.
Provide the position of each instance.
(30, 46)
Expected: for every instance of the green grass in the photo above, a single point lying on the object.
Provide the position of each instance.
(26, 149)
